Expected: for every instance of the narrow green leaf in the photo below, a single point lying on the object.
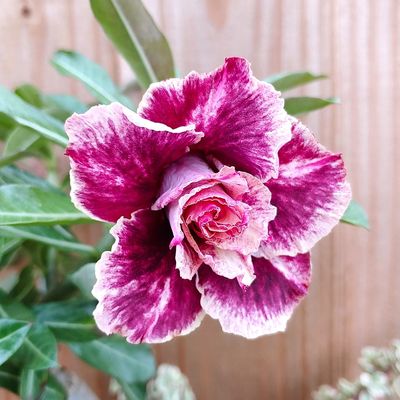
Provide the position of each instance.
(31, 383)
(20, 140)
(35, 384)
(54, 390)
(12, 174)
(39, 350)
(133, 391)
(84, 278)
(12, 309)
(31, 117)
(8, 247)
(302, 105)
(115, 356)
(29, 205)
(289, 80)
(12, 335)
(30, 94)
(356, 215)
(132, 30)
(9, 377)
(69, 320)
(53, 236)
(62, 106)
(25, 289)
(94, 77)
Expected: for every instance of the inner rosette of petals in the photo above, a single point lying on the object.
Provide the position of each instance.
(218, 218)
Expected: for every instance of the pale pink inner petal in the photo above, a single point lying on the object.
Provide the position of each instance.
(217, 218)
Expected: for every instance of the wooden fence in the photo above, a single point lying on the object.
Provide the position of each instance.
(355, 293)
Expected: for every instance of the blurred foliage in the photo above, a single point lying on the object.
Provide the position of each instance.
(379, 380)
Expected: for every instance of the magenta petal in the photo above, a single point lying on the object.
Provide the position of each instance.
(265, 306)
(310, 194)
(117, 159)
(243, 119)
(141, 295)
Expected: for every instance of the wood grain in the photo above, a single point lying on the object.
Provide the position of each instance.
(354, 298)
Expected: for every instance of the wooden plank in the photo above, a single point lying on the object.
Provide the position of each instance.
(354, 294)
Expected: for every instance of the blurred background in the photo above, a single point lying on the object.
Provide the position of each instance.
(355, 294)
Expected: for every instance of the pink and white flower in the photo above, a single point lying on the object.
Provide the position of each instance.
(217, 196)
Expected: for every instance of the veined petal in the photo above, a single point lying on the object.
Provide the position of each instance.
(310, 194)
(141, 295)
(117, 159)
(243, 119)
(265, 306)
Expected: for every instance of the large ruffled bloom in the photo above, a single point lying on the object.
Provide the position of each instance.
(217, 196)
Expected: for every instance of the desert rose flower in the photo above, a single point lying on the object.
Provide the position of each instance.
(217, 196)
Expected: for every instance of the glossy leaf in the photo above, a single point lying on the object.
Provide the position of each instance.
(132, 30)
(303, 105)
(68, 320)
(31, 117)
(39, 350)
(84, 278)
(53, 236)
(12, 335)
(118, 358)
(94, 77)
(356, 215)
(29, 205)
(289, 80)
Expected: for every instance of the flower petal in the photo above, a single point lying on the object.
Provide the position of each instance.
(141, 295)
(243, 119)
(265, 306)
(311, 195)
(117, 158)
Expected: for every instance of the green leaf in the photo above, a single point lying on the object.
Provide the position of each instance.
(62, 106)
(84, 278)
(55, 236)
(69, 320)
(54, 390)
(39, 350)
(25, 288)
(115, 356)
(11, 174)
(133, 391)
(30, 94)
(95, 78)
(8, 247)
(9, 377)
(9, 308)
(302, 105)
(31, 382)
(31, 117)
(132, 30)
(355, 215)
(20, 139)
(41, 385)
(29, 205)
(12, 335)
(289, 80)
